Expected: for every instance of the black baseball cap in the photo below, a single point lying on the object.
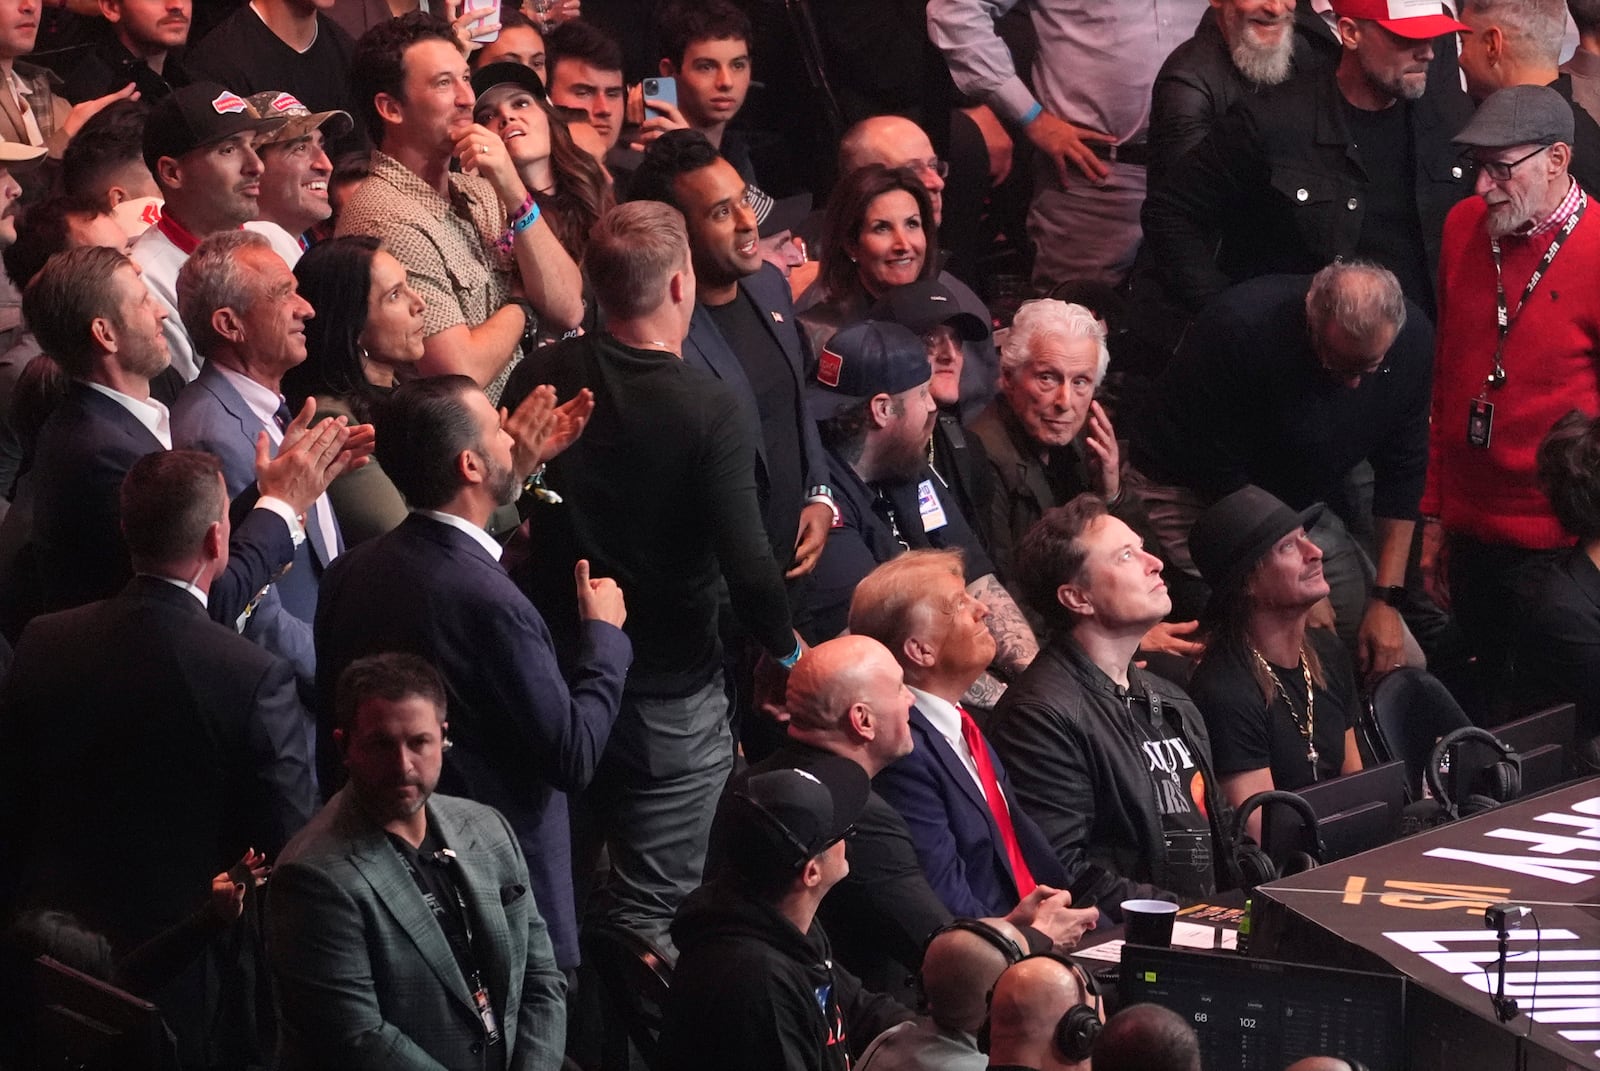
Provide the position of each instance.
(198, 115)
(864, 360)
(924, 305)
(778, 819)
(507, 73)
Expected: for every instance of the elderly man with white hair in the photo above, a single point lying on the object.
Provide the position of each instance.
(1048, 440)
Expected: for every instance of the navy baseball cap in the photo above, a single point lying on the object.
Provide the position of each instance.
(864, 360)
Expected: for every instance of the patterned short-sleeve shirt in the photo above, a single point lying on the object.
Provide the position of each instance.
(447, 245)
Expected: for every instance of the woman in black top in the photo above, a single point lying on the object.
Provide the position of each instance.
(1279, 699)
(367, 331)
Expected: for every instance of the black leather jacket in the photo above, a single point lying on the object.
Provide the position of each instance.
(1198, 84)
(1078, 767)
(1280, 186)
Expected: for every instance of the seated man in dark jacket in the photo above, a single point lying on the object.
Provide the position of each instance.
(755, 986)
(1114, 763)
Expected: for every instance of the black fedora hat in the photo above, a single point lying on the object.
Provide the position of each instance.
(1237, 529)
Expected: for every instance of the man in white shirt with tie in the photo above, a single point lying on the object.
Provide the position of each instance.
(247, 321)
(981, 853)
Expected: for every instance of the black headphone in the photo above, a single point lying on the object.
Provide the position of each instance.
(982, 929)
(1249, 866)
(1074, 1033)
(1500, 782)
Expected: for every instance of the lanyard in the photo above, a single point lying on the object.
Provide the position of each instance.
(1503, 319)
(480, 992)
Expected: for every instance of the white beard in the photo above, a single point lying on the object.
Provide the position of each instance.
(1266, 65)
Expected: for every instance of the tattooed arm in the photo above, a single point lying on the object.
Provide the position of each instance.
(1015, 645)
(985, 692)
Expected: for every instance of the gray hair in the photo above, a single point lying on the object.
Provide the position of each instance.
(1533, 29)
(214, 278)
(1361, 297)
(1049, 318)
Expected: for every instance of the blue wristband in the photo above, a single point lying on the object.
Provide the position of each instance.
(793, 657)
(1031, 114)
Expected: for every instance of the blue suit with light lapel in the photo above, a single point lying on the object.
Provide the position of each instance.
(707, 348)
(955, 834)
(211, 415)
(364, 975)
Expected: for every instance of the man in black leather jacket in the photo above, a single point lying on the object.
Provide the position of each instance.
(1113, 763)
(1317, 168)
(1204, 78)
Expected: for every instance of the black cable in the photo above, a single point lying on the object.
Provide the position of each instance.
(1538, 961)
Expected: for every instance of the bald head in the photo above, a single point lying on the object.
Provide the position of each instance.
(958, 970)
(893, 141)
(1029, 999)
(849, 696)
(1147, 1037)
(1319, 1063)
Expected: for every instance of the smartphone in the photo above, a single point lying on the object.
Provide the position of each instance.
(665, 89)
(489, 26)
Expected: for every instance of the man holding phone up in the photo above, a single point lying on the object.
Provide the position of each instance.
(487, 267)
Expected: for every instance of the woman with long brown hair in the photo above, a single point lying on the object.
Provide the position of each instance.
(878, 234)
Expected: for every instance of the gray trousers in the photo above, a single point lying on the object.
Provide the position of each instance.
(653, 799)
(1084, 232)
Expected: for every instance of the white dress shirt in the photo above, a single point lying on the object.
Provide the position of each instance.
(147, 411)
(484, 539)
(264, 403)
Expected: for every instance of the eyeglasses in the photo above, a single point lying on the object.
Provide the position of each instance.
(937, 166)
(1499, 170)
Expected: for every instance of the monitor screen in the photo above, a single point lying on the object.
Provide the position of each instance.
(1261, 1015)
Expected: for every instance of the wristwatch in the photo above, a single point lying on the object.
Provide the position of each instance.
(1390, 596)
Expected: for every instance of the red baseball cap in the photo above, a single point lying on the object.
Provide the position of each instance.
(1416, 19)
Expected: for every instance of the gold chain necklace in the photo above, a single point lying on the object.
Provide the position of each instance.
(1307, 727)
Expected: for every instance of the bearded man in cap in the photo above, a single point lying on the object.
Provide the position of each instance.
(1525, 245)
(872, 401)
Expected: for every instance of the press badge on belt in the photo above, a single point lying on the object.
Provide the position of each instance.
(930, 507)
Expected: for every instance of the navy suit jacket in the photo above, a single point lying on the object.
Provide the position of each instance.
(212, 415)
(150, 743)
(707, 348)
(523, 738)
(85, 449)
(955, 834)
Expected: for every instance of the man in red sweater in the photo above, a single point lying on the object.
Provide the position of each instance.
(1500, 382)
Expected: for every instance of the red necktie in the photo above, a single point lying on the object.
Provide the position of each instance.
(997, 803)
